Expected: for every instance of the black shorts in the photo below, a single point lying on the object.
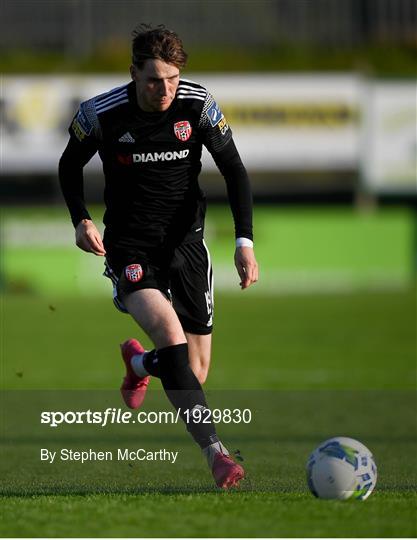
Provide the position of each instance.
(185, 277)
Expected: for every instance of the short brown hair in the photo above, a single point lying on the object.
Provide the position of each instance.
(159, 42)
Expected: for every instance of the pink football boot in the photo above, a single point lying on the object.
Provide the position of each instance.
(226, 472)
(133, 388)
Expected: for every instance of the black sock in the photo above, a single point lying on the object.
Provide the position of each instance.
(151, 363)
(185, 392)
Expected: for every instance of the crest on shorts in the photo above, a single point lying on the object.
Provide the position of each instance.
(183, 130)
(134, 272)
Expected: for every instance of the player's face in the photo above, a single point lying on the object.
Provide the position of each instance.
(156, 84)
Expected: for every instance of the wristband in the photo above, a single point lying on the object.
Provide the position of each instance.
(244, 242)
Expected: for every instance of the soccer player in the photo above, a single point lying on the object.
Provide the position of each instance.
(149, 134)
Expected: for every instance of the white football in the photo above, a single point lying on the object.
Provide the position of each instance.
(341, 468)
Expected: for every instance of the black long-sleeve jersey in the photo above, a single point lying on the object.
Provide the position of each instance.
(151, 162)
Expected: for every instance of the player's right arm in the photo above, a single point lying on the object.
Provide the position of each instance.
(80, 149)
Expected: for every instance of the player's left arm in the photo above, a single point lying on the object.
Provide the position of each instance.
(240, 198)
(246, 266)
(219, 141)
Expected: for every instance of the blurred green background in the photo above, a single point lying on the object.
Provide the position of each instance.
(326, 227)
(90, 36)
(328, 231)
(300, 249)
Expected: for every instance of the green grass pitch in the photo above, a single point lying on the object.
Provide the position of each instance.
(309, 366)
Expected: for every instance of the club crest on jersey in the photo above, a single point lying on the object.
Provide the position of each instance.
(134, 272)
(183, 130)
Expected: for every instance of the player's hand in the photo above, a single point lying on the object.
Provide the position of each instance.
(246, 266)
(88, 238)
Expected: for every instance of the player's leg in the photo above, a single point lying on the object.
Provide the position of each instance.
(226, 473)
(199, 352)
(191, 282)
(171, 363)
(154, 314)
(158, 319)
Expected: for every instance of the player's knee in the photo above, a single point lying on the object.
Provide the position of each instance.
(163, 340)
(165, 335)
(202, 375)
(200, 364)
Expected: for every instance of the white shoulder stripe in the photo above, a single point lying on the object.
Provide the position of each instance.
(111, 102)
(189, 90)
(112, 105)
(179, 94)
(111, 99)
(191, 97)
(195, 88)
(113, 92)
(192, 82)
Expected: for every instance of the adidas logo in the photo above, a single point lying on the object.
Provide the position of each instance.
(127, 137)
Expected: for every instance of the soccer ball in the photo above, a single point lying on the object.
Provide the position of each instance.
(341, 468)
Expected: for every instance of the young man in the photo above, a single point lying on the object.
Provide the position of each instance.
(149, 134)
